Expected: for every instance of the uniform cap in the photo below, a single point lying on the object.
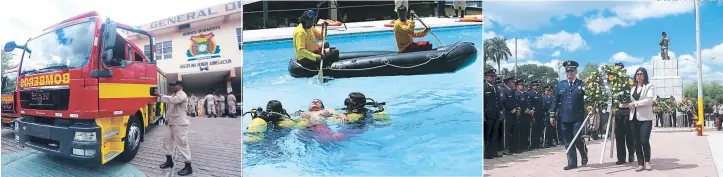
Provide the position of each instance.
(490, 72)
(535, 83)
(570, 65)
(176, 83)
(520, 82)
(508, 79)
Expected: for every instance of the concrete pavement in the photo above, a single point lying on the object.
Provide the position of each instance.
(673, 154)
(215, 151)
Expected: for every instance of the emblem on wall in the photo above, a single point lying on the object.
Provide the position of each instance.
(203, 47)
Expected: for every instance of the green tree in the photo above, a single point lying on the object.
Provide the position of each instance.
(7, 60)
(544, 74)
(589, 68)
(488, 66)
(496, 50)
(712, 93)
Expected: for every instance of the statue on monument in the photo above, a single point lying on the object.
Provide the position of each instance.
(664, 47)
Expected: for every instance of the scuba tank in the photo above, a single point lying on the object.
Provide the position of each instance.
(259, 125)
(356, 112)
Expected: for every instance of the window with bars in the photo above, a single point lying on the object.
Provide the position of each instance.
(164, 50)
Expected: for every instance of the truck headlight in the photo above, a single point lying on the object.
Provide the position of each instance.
(85, 136)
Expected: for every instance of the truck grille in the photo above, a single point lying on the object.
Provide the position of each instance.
(50, 98)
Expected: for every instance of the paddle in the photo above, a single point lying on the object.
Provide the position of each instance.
(425, 25)
(323, 49)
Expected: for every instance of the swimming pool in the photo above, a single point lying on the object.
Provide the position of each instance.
(437, 118)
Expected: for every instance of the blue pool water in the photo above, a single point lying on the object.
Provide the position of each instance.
(437, 119)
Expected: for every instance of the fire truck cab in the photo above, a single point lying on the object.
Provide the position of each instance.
(10, 109)
(85, 91)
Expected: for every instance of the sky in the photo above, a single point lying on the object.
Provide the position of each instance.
(609, 32)
(23, 19)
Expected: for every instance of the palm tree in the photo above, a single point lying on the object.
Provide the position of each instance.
(496, 50)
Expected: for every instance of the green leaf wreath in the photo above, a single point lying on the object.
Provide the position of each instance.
(686, 106)
(670, 106)
(658, 106)
(620, 82)
(595, 93)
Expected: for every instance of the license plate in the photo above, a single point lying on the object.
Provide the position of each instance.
(40, 98)
(37, 131)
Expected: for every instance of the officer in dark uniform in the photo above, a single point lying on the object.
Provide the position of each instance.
(493, 119)
(536, 101)
(550, 130)
(510, 109)
(524, 117)
(623, 135)
(570, 105)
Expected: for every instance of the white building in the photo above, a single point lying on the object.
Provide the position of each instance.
(202, 48)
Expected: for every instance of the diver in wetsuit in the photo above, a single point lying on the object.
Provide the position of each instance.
(308, 51)
(274, 114)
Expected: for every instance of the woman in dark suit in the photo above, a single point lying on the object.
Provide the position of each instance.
(642, 94)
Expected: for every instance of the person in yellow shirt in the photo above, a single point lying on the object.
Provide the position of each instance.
(404, 34)
(308, 51)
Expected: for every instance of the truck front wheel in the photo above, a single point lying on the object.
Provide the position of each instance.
(134, 132)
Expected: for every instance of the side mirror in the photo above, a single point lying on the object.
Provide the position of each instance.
(107, 56)
(108, 35)
(10, 46)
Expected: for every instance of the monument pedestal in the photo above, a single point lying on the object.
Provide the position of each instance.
(667, 81)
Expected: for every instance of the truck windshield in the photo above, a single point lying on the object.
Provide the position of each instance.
(68, 47)
(9, 82)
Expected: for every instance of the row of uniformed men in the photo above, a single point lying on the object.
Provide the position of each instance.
(516, 118)
(216, 105)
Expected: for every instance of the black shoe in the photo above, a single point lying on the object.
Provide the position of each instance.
(619, 162)
(187, 170)
(489, 157)
(631, 159)
(168, 163)
(584, 160)
(569, 168)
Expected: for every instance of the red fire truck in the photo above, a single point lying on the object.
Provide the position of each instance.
(85, 90)
(10, 109)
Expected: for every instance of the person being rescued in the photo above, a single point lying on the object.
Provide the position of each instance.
(308, 51)
(317, 116)
(404, 34)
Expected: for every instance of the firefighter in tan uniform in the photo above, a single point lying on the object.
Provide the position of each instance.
(231, 101)
(210, 104)
(177, 122)
(192, 105)
(222, 104)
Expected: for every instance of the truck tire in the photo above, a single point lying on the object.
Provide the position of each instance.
(134, 132)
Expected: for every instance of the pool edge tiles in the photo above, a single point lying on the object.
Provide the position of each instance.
(355, 33)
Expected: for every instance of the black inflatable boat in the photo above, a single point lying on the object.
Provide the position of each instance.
(390, 63)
